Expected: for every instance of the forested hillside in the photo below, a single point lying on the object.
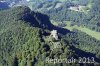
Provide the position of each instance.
(81, 13)
(22, 42)
(26, 40)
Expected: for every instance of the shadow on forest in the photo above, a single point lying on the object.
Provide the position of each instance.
(82, 53)
(4, 5)
(43, 21)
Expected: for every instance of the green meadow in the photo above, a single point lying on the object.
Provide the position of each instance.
(83, 29)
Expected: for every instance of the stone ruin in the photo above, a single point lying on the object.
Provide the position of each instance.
(54, 34)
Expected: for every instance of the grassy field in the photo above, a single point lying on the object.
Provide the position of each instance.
(86, 30)
(83, 29)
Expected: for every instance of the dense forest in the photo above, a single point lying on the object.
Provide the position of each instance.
(26, 35)
(25, 42)
(88, 13)
(21, 42)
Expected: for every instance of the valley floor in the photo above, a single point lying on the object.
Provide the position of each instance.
(86, 30)
(83, 29)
